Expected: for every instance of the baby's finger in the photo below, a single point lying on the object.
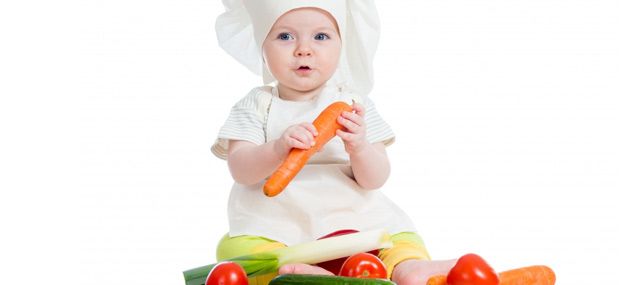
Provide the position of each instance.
(294, 143)
(348, 124)
(355, 118)
(359, 109)
(311, 128)
(309, 136)
(303, 139)
(305, 130)
(345, 135)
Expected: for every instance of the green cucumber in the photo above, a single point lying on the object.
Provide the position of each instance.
(306, 279)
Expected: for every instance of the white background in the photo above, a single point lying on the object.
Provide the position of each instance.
(514, 122)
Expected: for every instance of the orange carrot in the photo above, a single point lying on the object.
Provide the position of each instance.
(327, 126)
(530, 275)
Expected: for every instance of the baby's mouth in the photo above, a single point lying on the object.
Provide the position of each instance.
(304, 67)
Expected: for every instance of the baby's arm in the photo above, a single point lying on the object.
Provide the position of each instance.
(250, 163)
(369, 162)
(371, 166)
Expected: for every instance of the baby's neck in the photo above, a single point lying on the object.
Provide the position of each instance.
(289, 94)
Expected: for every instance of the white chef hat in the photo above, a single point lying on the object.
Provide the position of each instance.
(241, 31)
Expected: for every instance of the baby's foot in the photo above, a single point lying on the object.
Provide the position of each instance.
(412, 271)
(300, 268)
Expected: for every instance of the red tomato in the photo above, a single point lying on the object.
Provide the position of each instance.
(363, 265)
(227, 273)
(471, 269)
(335, 265)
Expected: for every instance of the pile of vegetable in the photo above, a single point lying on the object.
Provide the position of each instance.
(310, 253)
(368, 269)
(359, 269)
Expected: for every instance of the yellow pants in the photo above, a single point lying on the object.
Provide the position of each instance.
(407, 245)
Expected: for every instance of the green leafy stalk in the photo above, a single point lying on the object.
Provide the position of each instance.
(309, 253)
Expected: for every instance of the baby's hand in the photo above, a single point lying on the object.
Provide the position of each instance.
(298, 136)
(354, 137)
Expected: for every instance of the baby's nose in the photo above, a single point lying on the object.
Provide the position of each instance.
(303, 51)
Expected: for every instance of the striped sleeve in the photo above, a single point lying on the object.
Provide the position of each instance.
(377, 128)
(245, 122)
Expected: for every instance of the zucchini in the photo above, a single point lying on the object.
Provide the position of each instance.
(307, 279)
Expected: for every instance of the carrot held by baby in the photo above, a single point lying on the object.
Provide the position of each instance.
(327, 126)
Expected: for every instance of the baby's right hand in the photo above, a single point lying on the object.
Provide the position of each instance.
(298, 136)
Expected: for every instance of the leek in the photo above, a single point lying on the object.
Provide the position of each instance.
(310, 253)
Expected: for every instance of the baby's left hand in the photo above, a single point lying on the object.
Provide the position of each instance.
(354, 137)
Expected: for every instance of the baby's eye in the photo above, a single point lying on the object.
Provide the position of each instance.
(285, 36)
(322, 37)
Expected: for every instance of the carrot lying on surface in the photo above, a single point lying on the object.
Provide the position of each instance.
(327, 126)
(531, 275)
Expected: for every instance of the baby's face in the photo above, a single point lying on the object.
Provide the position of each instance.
(302, 48)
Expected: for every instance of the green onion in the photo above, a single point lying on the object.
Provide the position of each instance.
(310, 253)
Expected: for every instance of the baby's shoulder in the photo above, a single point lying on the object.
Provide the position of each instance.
(257, 99)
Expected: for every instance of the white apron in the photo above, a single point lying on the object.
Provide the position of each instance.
(321, 199)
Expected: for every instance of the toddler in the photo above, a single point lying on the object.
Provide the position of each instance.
(310, 54)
